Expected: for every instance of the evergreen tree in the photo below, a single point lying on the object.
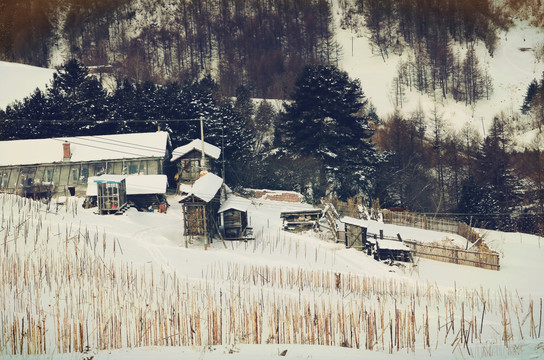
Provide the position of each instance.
(532, 89)
(329, 120)
(491, 196)
(262, 125)
(23, 120)
(243, 104)
(75, 100)
(228, 130)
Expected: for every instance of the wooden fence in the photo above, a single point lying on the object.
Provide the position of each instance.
(436, 224)
(485, 260)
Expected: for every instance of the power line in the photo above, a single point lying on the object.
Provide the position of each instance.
(114, 143)
(476, 214)
(102, 121)
(120, 151)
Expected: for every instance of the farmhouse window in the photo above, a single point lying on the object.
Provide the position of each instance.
(75, 175)
(49, 175)
(132, 169)
(4, 178)
(84, 174)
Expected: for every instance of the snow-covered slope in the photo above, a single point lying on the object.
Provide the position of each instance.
(512, 67)
(122, 280)
(18, 81)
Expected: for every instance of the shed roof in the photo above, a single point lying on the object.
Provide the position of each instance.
(392, 245)
(205, 188)
(209, 149)
(309, 211)
(235, 203)
(135, 184)
(106, 179)
(354, 221)
(84, 148)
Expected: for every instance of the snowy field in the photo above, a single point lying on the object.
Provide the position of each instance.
(128, 287)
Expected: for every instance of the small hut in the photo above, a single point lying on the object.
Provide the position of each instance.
(387, 246)
(355, 234)
(188, 159)
(234, 220)
(111, 194)
(301, 219)
(393, 250)
(200, 206)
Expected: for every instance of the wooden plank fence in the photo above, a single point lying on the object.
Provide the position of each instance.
(426, 223)
(485, 260)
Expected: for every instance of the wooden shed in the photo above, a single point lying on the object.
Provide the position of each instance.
(301, 219)
(233, 218)
(355, 234)
(393, 250)
(188, 159)
(111, 194)
(200, 206)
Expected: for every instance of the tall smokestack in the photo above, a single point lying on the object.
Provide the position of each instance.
(66, 151)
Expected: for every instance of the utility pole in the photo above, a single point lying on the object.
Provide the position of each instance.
(223, 150)
(203, 168)
(203, 161)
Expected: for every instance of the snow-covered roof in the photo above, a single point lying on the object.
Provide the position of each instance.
(205, 187)
(107, 178)
(84, 148)
(209, 149)
(235, 203)
(309, 210)
(353, 221)
(135, 184)
(392, 245)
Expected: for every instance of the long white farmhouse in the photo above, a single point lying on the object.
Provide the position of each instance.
(45, 167)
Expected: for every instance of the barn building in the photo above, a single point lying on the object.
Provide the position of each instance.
(44, 167)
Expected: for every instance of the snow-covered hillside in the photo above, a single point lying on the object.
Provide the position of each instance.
(512, 68)
(129, 283)
(18, 81)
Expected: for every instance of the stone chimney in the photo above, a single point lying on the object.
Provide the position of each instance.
(66, 151)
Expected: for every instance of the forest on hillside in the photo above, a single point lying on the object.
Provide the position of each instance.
(259, 44)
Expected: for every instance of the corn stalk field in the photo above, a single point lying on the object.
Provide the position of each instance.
(66, 288)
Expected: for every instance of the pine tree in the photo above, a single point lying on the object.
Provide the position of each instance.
(76, 101)
(532, 89)
(227, 129)
(262, 125)
(329, 121)
(492, 194)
